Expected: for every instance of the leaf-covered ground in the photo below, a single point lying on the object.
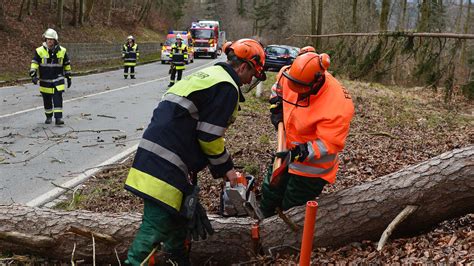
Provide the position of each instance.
(393, 128)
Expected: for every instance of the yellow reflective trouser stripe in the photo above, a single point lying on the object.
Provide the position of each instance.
(130, 64)
(214, 147)
(155, 188)
(51, 90)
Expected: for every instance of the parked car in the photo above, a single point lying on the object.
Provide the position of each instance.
(170, 39)
(277, 56)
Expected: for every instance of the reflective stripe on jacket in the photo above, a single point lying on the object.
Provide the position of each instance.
(179, 50)
(130, 54)
(51, 66)
(323, 125)
(185, 134)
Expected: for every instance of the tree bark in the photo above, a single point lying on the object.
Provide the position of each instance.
(60, 13)
(74, 13)
(384, 15)
(354, 16)
(441, 188)
(3, 22)
(81, 12)
(319, 28)
(108, 12)
(89, 4)
(20, 14)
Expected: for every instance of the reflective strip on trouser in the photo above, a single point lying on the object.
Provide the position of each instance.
(158, 225)
(155, 188)
(292, 190)
(130, 63)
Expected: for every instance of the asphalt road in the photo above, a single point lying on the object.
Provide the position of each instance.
(104, 119)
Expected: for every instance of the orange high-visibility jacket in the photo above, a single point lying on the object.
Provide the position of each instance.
(323, 125)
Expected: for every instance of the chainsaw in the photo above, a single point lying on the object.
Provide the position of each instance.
(240, 200)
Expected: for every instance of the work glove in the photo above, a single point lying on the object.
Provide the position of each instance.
(298, 153)
(276, 110)
(34, 79)
(199, 226)
(69, 82)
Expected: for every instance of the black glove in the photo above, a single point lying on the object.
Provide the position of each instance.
(69, 82)
(199, 226)
(276, 110)
(298, 153)
(34, 79)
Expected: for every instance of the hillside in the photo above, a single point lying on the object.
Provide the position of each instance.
(22, 37)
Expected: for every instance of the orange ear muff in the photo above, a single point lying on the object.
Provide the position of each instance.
(324, 61)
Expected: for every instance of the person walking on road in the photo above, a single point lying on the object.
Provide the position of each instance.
(316, 111)
(179, 55)
(186, 134)
(51, 67)
(130, 56)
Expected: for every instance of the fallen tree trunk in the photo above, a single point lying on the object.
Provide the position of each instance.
(441, 188)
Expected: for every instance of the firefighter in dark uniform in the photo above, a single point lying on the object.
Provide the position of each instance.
(51, 67)
(130, 56)
(178, 55)
(186, 134)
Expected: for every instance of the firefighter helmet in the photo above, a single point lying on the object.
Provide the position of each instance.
(306, 49)
(250, 51)
(50, 34)
(179, 37)
(130, 37)
(307, 72)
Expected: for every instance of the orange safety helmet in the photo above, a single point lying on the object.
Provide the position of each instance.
(250, 51)
(225, 47)
(307, 49)
(306, 74)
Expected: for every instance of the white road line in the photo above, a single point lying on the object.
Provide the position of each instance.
(100, 93)
(56, 192)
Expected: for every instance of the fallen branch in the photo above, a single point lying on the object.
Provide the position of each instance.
(383, 134)
(107, 116)
(393, 225)
(87, 233)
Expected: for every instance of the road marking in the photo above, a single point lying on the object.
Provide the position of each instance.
(56, 192)
(100, 93)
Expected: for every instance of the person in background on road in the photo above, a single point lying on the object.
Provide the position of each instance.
(178, 55)
(130, 56)
(51, 66)
(316, 111)
(186, 134)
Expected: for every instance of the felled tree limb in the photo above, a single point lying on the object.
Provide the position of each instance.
(441, 188)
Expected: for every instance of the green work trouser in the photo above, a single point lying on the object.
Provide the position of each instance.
(158, 225)
(292, 190)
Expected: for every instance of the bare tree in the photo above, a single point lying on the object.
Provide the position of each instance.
(81, 12)
(319, 28)
(109, 12)
(74, 13)
(60, 13)
(384, 15)
(401, 20)
(89, 5)
(313, 22)
(28, 7)
(20, 14)
(354, 16)
(3, 23)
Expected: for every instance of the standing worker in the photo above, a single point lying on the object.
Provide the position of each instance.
(130, 56)
(50, 66)
(178, 54)
(316, 111)
(186, 134)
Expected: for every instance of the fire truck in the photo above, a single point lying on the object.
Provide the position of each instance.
(207, 38)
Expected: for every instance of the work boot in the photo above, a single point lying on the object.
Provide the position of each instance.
(48, 120)
(59, 121)
(132, 77)
(171, 84)
(125, 76)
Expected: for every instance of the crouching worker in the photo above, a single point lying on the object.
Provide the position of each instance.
(316, 111)
(186, 134)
